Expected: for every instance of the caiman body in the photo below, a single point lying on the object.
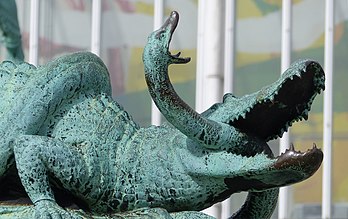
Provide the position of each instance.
(64, 132)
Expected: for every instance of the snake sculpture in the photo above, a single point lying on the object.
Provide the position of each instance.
(69, 151)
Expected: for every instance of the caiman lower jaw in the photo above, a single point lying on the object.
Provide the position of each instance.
(289, 168)
(307, 163)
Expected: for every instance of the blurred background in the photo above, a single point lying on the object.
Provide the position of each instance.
(65, 26)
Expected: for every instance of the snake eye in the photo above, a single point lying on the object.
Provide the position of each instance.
(160, 34)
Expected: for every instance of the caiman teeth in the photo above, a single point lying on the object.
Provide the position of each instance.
(292, 147)
(294, 160)
(239, 117)
(282, 132)
(300, 73)
(314, 146)
(291, 150)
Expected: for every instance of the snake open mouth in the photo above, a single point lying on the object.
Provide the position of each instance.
(167, 31)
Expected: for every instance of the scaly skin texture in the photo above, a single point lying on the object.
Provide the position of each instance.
(69, 138)
(11, 35)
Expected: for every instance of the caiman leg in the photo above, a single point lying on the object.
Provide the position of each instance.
(50, 87)
(38, 156)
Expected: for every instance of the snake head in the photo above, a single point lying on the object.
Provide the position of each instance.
(157, 49)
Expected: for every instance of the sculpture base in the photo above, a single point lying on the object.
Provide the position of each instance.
(27, 211)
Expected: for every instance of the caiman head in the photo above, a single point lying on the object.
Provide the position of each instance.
(268, 113)
(234, 133)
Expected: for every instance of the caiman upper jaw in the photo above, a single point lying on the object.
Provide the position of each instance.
(271, 111)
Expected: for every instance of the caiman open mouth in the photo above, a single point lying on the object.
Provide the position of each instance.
(286, 101)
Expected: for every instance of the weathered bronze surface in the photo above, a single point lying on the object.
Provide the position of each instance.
(75, 147)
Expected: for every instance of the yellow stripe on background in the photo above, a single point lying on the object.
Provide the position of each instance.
(253, 58)
(147, 8)
(247, 9)
(304, 134)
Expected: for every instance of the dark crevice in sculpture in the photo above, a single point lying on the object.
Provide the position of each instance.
(11, 188)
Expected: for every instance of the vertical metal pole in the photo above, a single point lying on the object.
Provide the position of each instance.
(213, 48)
(200, 56)
(327, 138)
(230, 36)
(284, 207)
(229, 62)
(212, 62)
(34, 32)
(158, 20)
(96, 27)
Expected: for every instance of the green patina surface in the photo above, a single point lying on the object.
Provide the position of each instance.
(10, 32)
(72, 146)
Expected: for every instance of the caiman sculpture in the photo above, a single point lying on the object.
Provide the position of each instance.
(74, 146)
